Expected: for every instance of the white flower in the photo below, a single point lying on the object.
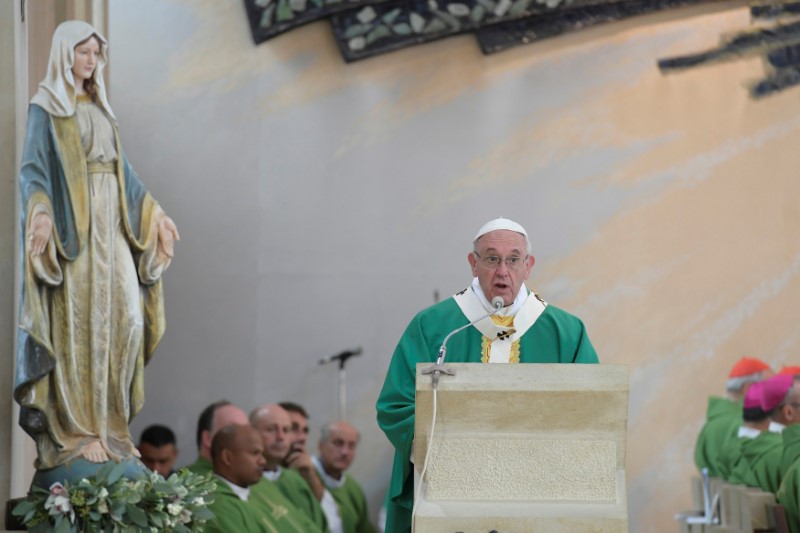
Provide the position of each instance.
(103, 494)
(174, 509)
(186, 517)
(198, 500)
(58, 502)
(102, 507)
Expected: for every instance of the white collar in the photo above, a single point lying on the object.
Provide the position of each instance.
(272, 475)
(776, 427)
(508, 310)
(327, 479)
(242, 492)
(748, 432)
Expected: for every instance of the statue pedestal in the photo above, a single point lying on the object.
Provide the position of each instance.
(523, 447)
(78, 469)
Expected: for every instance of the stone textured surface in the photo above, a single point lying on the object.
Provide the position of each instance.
(522, 469)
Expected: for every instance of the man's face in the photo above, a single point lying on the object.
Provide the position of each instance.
(275, 428)
(159, 459)
(247, 459)
(299, 430)
(339, 450)
(791, 410)
(501, 281)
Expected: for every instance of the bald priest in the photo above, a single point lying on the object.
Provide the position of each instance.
(526, 329)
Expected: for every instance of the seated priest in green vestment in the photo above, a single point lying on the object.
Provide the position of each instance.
(724, 417)
(337, 450)
(754, 422)
(159, 449)
(237, 456)
(525, 329)
(285, 486)
(300, 460)
(760, 460)
(789, 491)
(213, 418)
(788, 414)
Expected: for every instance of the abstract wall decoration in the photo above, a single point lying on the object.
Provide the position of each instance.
(776, 39)
(366, 28)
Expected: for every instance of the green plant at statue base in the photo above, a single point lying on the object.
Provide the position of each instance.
(108, 502)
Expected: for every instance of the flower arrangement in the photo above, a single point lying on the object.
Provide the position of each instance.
(110, 503)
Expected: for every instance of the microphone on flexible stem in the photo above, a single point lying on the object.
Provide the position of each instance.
(341, 357)
(437, 369)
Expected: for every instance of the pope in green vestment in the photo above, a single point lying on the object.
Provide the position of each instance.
(723, 419)
(759, 464)
(525, 329)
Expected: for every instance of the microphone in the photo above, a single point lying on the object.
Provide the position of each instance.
(341, 357)
(497, 303)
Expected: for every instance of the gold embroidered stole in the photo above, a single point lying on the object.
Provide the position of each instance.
(500, 335)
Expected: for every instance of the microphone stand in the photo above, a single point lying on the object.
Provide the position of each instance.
(342, 358)
(439, 368)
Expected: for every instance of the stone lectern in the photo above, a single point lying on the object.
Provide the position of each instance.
(522, 448)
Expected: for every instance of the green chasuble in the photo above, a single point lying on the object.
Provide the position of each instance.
(789, 496)
(791, 447)
(231, 513)
(297, 491)
(555, 337)
(728, 457)
(352, 506)
(723, 419)
(201, 466)
(267, 494)
(759, 465)
(789, 492)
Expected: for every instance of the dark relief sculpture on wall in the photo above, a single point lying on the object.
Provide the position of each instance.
(366, 28)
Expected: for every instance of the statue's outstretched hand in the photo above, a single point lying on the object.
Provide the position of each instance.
(167, 235)
(39, 234)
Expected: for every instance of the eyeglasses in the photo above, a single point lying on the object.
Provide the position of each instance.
(492, 261)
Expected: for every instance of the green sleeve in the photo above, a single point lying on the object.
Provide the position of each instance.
(297, 491)
(789, 496)
(395, 409)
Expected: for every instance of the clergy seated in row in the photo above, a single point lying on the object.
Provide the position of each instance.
(213, 418)
(159, 450)
(337, 450)
(724, 415)
(237, 457)
(285, 486)
(759, 462)
(300, 460)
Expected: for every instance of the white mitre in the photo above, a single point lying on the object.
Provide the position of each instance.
(503, 223)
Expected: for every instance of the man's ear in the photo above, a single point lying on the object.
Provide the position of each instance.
(473, 263)
(205, 439)
(226, 457)
(529, 265)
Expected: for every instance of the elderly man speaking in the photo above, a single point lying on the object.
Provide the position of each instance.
(524, 330)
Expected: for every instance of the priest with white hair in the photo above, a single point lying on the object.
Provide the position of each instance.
(525, 329)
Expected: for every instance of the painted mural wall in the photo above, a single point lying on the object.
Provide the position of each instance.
(321, 205)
